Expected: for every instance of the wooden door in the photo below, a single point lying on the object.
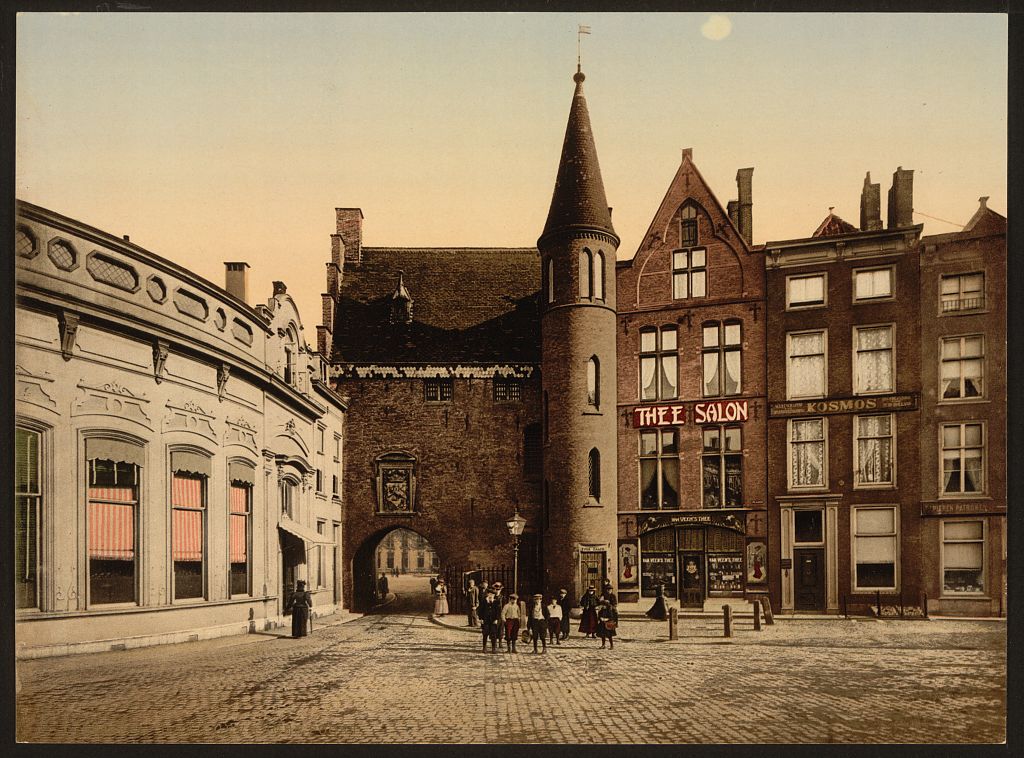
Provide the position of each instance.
(809, 579)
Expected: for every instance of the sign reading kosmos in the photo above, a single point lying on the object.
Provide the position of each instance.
(710, 412)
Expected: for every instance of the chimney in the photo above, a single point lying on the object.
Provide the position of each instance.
(350, 230)
(280, 288)
(901, 199)
(746, 204)
(870, 205)
(733, 209)
(236, 279)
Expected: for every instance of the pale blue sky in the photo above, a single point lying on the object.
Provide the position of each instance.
(213, 137)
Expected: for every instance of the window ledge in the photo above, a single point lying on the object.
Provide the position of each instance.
(973, 497)
(395, 513)
(872, 590)
(592, 413)
(973, 596)
(963, 401)
(873, 300)
(805, 307)
(875, 487)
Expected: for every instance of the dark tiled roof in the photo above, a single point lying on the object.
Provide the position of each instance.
(833, 226)
(578, 199)
(468, 305)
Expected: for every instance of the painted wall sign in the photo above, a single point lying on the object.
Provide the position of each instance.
(958, 509)
(705, 412)
(724, 520)
(906, 402)
(756, 563)
(628, 571)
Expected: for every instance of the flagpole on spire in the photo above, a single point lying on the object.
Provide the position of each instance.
(579, 36)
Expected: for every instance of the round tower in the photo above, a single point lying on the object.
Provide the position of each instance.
(577, 251)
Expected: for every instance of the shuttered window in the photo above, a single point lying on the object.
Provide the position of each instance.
(27, 507)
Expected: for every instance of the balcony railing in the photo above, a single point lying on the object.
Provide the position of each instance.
(953, 305)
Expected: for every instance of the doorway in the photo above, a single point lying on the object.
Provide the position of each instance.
(593, 569)
(809, 579)
(293, 553)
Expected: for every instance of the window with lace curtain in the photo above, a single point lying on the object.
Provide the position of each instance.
(873, 451)
(807, 453)
(805, 364)
(963, 459)
(962, 367)
(874, 362)
(721, 356)
(659, 469)
(659, 364)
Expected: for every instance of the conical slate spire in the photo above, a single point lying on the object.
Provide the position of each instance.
(578, 200)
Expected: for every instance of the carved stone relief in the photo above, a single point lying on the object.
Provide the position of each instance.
(240, 432)
(30, 389)
(112, 399)
(190, 417)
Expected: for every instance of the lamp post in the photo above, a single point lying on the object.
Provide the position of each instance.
(515, 525)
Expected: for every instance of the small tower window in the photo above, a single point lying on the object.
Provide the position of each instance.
(597, 275)
(593, 382)
(551, 280)
(595, 474)
(586, 274)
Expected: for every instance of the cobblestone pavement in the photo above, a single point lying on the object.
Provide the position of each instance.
(400, 678)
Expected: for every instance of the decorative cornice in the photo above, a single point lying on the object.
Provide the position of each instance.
(432, 371)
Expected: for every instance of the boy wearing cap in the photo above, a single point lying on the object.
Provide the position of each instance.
(538, 618)
(512, 618)
(554, 621)
(566, 603)
(489, 613)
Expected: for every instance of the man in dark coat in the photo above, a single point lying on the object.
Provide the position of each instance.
(382, 587)
(537, 617)
(489, 613)
(302, 601)
(566, 602)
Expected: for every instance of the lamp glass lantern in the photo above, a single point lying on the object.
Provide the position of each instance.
(515, 525)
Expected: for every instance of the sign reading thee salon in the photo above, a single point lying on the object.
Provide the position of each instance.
(710, 412)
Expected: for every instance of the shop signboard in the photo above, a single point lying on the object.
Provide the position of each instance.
(628, 574)
(907, 402)
(677, 414)
(725, 573)
(704, 518)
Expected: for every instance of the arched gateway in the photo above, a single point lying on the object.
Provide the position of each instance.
(397, 552)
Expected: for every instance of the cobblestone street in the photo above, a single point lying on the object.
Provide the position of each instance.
(401, 678)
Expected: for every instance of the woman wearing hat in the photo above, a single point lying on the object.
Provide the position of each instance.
(538, 616)
(588, 621)
(301, 602)
(511, 617)
(440, 598)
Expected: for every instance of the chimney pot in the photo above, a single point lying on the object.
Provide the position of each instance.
(350, 230)
(236, 279)
(870, 205)
(983, 201)
(126, 238)
(280, 288)
(687, 153)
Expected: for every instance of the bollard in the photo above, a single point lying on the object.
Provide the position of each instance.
(727, 619)
(924, 605)
(673, 623)
(769, 617)
(757, 615)
(878, 603)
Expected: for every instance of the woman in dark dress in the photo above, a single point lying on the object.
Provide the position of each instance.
(607, 620)
(301, 603)
(659, 611)
(588, 621)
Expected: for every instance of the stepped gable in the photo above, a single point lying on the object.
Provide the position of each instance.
(471, 305)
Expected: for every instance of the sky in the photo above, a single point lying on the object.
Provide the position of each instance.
(222, 137)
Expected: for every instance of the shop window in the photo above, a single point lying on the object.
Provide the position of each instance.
(805, 364)
(658, 562)
(721, 358)
(659, 469)
(438, 390)
(112, 520)
(594, 474)
(396, 483)
(874, 450)
(190, 475)
(242, 478)
(27, 514)
(586, 274)
(873, 367)
(962, 367)
(874, 548)
(594, 382)
(688, 226)
(963, 557)
(807, 453)
(533, 453)
(689, 273)
(873, 284)
(805, 291)
(659, 360)
(722, 467)
(962, 292)
(507, 390)
(963, 459)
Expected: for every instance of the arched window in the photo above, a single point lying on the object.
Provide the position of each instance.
(551, 280)
(597, 275)
(688, 226)
(241, 481)
(594, 382)
(586, 273)
(594, 469)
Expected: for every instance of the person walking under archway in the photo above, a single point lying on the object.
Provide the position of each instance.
(382, 587)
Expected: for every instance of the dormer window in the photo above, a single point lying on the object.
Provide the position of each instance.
(688, 227)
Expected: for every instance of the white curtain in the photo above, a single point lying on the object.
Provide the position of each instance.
(808, 452)
(874, 449)
(874, 359)
(807, 365)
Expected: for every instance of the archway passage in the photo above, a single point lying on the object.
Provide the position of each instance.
(406, 561)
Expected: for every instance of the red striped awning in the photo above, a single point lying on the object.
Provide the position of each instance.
(187, 535)
(237, 550)
(187, 491)
(239, 499)
(111, 530)
(112, 494)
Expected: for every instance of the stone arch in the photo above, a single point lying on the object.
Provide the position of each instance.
(364, 571)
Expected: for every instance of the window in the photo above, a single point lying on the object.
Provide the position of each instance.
(289, 366)
(551, 280)
(688, 226)
(25, 243)
(872, 283)
(242, 477)
(805, 291)
(586, 273)
(874, 450)
(63, 254)
(336, 477)
(396, 483)
(27, 512)
(962, 369)
(963, 458)
(722, 467)
(190, 473)
(507, 390)
(689, 273)
(873, 366)
(597, 274)
(437, 390)
(659, 469)
(593, 382)
(874, 548)
(807, 455)
(320, 468)
(289, 488)
(808, 527)
(594, 472)
(962, 292)
(805, 375)
(321, 572)
(721, 355)
(533, 453)
(658, 364)
(112, 521)
(963, 557)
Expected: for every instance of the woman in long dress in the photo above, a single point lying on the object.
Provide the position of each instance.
(658, 611)
(440, 598)
(302, 601)
(588, 621)
(607, 620)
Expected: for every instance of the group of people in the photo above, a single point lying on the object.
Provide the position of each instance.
(500, 615)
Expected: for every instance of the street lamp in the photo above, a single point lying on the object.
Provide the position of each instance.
(515, 525)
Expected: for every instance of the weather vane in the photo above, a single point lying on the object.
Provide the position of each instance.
(579, 35)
